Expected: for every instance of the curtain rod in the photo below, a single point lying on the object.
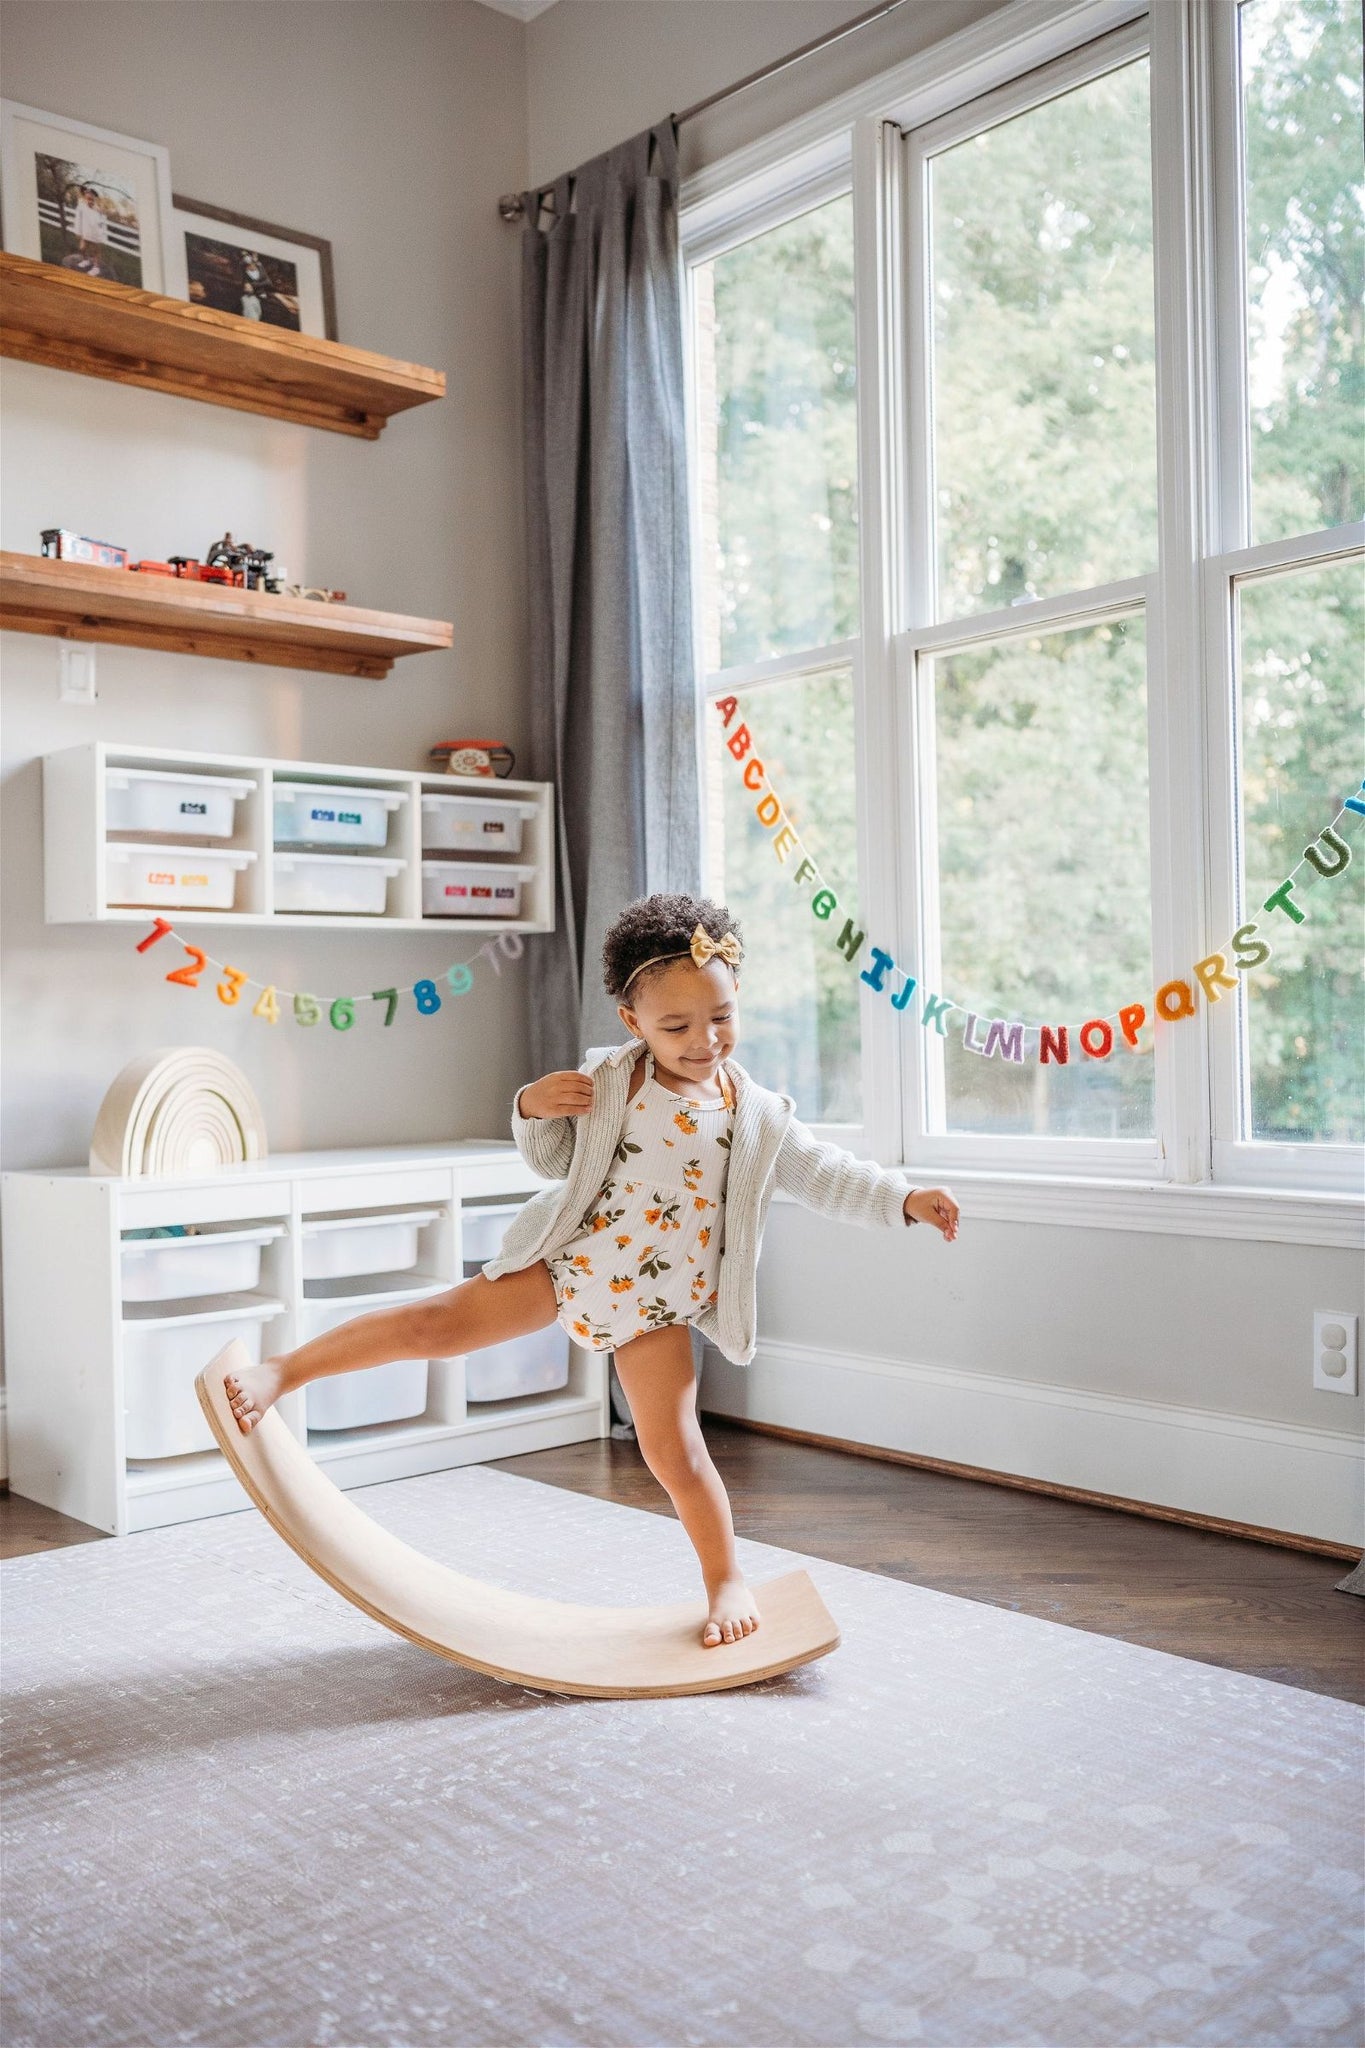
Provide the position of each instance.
(509, 206)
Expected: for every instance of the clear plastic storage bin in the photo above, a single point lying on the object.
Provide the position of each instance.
(156, 800)
(394, 1392)
(471, 888)
(335, 1246)
(162, 1355)
(481, 1234)
(215, 1262)
(465, 824)
(173, 876)
(353, 884)
(534, 1364)
(312, 814)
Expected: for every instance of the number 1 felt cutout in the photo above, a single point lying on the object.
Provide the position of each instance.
(158, 931)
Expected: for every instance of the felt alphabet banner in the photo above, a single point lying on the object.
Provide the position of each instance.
(340, 1011)
(1008, 1037)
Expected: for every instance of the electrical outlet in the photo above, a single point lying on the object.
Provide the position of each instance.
(76, 673)
(1334, 1351)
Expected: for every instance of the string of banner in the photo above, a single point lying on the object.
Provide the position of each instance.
(1004, 1037)
(340, 1011)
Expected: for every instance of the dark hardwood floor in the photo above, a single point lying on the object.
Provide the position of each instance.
(1196, 1593)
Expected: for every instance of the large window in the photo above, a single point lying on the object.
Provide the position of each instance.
(777, 472)
(1106, 685)
(1032, 529)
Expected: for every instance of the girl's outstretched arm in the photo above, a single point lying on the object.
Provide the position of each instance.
(831, 1181)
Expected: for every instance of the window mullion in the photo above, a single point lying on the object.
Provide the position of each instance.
(1186, 418)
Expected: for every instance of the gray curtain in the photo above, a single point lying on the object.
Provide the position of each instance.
(614, 722)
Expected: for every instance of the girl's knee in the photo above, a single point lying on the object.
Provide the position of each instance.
(676, 1462)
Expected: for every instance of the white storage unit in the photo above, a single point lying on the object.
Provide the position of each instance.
(473, 824)
(161, 1355)
(101, 1409)
(354, 884)
(91, 875)
(319, 814)
(212, 1262)
(162, 800)
(173, 877)
(472, 888)
(336, 1246)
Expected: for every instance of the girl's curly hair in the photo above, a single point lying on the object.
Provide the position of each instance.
(658, 924)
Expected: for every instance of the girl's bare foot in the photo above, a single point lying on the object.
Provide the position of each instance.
(733, 1615)
(253, 1390)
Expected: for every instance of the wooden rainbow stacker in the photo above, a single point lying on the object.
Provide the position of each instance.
(549, 1645)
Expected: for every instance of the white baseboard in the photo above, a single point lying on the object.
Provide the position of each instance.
(1268, 1475)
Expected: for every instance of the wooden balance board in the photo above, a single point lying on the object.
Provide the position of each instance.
(549, 1645)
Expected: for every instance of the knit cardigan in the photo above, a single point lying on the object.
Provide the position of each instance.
(769, 1149)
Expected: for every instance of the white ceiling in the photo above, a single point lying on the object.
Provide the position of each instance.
(524, 10)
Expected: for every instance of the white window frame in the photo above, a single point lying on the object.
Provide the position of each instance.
(1203, 1180)
(813, 183)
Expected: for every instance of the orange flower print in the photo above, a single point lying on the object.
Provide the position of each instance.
(623, 1241)
(704, 1234)
(621, 1284)
(686, 1123)
(581, 1262)
(700, 1202)
(580, 1328)
(653, 1215)
(691, 1174)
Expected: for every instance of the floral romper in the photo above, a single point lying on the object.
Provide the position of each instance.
(649, 1249)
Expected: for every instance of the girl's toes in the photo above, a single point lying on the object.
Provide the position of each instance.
(711, 1635)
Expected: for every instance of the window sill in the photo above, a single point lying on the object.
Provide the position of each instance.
(1273, 1215)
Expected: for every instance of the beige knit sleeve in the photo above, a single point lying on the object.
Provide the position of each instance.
(834, 1183)
(544, 1142)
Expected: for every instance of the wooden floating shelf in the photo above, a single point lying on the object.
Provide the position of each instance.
(78, 601)
(101, 329)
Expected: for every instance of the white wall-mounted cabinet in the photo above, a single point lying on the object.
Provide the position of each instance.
(100, 1376)
(240, 856)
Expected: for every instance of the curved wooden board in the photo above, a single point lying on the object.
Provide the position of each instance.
(548, 1645)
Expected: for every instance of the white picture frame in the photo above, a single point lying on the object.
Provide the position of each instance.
(213, 245)
(88, 200)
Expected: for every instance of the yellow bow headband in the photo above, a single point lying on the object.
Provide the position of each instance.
(701, 949)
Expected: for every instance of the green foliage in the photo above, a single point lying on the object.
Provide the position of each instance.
(786, 438)
(1301, 64)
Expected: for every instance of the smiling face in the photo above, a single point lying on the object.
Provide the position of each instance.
(688, 1016)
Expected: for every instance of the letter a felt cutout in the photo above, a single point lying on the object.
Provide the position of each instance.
(727, 707)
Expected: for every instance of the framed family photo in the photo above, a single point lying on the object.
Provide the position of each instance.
(88, 200)
(255, 268)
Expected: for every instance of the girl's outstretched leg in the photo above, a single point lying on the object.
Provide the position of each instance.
(661, 1387)
(476, 1313)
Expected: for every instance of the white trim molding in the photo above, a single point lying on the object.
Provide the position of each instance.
(1279, 1476)
(1158, 1208)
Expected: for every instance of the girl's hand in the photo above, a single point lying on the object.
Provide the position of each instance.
(563, 1094)
(936, 1206)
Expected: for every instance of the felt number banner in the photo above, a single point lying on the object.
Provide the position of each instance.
(338, 1011)
(1006, 1037)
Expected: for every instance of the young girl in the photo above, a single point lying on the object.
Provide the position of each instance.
(664, 1154)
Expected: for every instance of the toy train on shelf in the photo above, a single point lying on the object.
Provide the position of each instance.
(234, 563)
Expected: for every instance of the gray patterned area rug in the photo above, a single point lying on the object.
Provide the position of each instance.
(242, 1815)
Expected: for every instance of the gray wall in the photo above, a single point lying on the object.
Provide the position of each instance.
(390, 131)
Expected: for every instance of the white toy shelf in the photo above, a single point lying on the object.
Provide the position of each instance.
(81, 1297)
(94, 846)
